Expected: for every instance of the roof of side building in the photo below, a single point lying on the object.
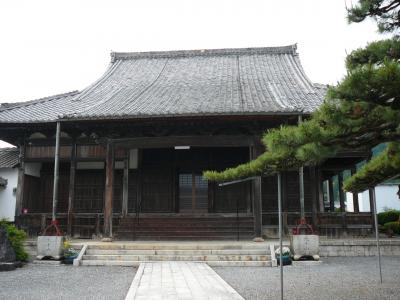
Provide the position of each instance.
(9, 157)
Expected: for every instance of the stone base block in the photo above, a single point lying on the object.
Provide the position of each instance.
(9, 266)
(50, 246)
(304, 245)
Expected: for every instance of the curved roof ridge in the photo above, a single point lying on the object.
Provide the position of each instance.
(290, 49)
(110, 69)
(9, 106)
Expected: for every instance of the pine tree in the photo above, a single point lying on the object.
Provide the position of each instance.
(362, 111)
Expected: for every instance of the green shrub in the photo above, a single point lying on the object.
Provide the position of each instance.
(393, 226)
(388, 216)
(17, 238)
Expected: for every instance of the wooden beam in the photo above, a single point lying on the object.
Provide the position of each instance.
(71, 190)
(125, 187)
(21, 178)
(194, 141)
(109, 191)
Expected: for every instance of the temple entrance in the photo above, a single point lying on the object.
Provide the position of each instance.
(193, 193)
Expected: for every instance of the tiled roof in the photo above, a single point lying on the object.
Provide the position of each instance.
(41, 110)
(9, 157)
(245, 81)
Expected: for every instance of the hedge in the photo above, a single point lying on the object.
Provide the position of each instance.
(394, 226)
(388, 216)
(16, 238)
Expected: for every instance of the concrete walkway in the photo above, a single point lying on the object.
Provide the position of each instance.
(179, 280)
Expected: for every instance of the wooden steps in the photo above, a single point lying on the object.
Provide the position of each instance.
(186, 228)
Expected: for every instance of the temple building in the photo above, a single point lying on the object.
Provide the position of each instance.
(133, 146)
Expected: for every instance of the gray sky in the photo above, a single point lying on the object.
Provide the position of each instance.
(50, 47)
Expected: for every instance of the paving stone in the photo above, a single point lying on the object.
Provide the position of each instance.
(179, 280)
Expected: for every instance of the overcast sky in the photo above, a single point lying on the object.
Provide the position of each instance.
(50, 47)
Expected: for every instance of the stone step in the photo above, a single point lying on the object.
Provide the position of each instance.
(127, 263)
(178, 252)
(121, 263)
(178, 257)
(239, 263)
(180, 246)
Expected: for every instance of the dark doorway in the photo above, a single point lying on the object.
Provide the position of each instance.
(193, 193)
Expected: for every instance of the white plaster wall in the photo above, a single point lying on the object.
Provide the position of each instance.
(386, 197)
(7, 197)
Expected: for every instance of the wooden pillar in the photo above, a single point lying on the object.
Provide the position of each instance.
(249, 199)
(314, 195)
(109, 187)
(257, 207)
(56, 171)
(71, 193)
(301, 183)
(21, 178)
(371, 206)
(125, 187)
(257, 193)
(356, 206)
(331, 196)
(342, 195)
(138, 204)
(320, 189)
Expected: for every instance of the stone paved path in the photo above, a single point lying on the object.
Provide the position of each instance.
(179, 280)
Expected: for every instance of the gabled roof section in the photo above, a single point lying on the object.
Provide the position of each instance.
(9, 157)
(245, 81)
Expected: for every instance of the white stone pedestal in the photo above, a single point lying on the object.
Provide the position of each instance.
(304, 245)
(50, 246)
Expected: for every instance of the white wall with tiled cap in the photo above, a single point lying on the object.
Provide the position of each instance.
(7, 194)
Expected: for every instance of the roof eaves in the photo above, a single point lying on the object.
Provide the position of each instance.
(10, 106)
(153, 116)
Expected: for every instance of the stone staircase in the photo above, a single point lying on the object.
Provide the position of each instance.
(221, 254)
(217, 227)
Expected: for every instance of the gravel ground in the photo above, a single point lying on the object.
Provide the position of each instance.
(66, 282)
(336, 278)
